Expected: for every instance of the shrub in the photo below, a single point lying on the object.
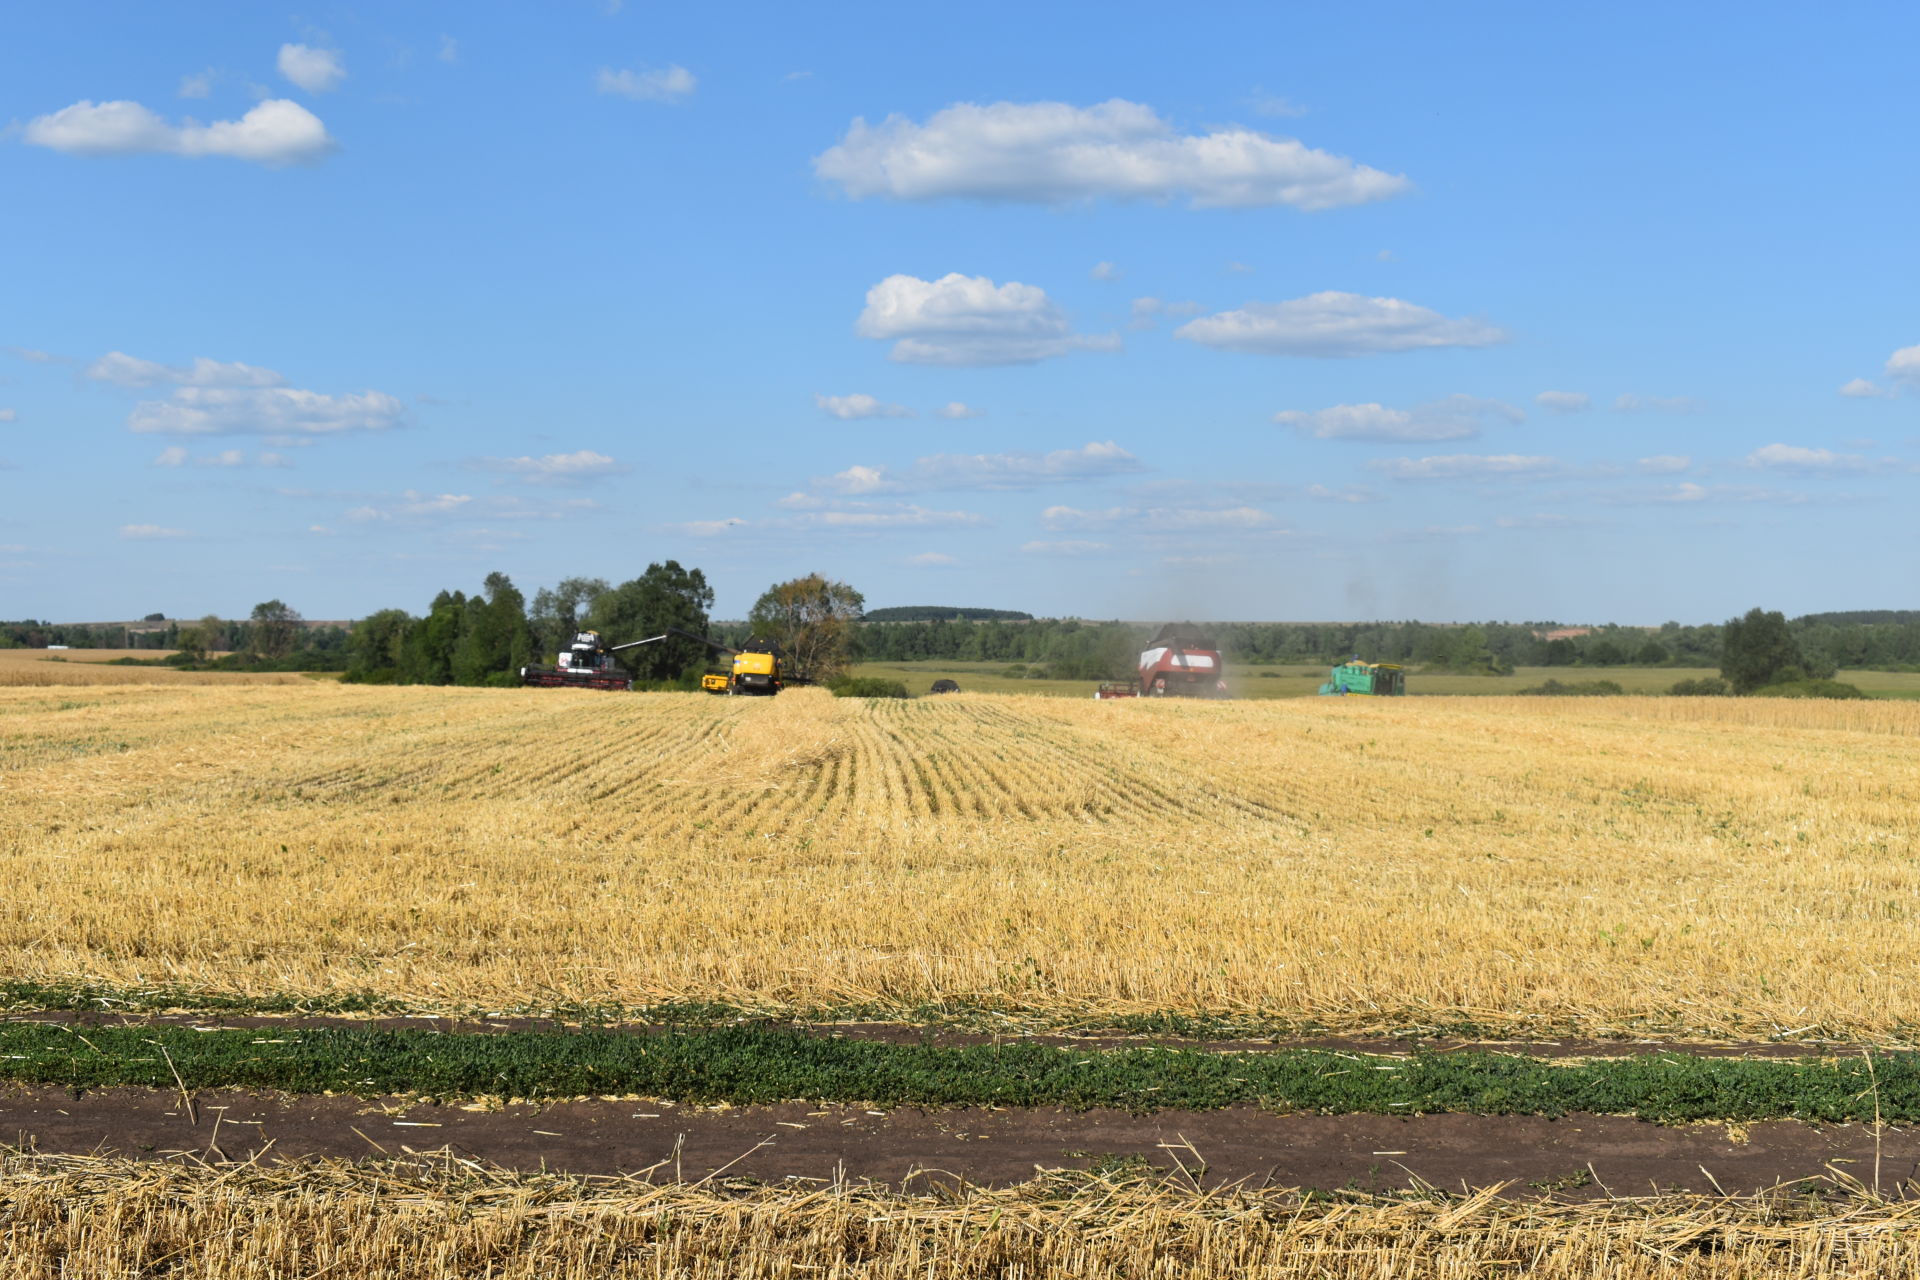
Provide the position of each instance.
(1811, 689)
(868, 687)
(1705, 687)
(1574, 689)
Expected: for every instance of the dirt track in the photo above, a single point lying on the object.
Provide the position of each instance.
(1578, 1155)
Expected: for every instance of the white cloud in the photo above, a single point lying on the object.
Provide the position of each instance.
(318, 528)
(933, 559)
(860, 405)
(171, 457)
(1788, 457)
(1664, 464)
(197, 86)
(959, 409)
(9, 415)
(557, 468)
(1239, 269)
(1564, 401)
(1270, 104)
(143, 532)
(1067, 547)
(1056, 153)
(1335, 324)
(1860, 389)
(668, 85)
(1105, 271)
(1464, 466)
(275, 132)
(1146, 312)
(31, 356)
(1455, 418)
(315, 70)
(1349, 493)
(123, 370)
(1904, 366)
(197, 410)
(867, 516)
(1631, 403)
(413, 503)
(1158, 519)
(989, 470)
(969, 320)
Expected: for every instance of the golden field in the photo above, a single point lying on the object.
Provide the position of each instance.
(67, 1216)
(1716, 866)
(43, 668)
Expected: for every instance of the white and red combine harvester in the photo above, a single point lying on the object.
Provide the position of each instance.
(587, 663)
(1181, 661)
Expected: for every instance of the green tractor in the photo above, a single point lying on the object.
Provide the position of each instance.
(1366, 680)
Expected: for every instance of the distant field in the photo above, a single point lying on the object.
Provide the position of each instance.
(1248, 681)
(42, 667)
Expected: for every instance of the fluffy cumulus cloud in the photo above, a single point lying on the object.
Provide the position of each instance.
(274, 132)
(669, 84)
(1904, 366)
(216, 397)
(1017, 470)
(1335, 324)
(578, 467)
(860, 405)
(148, 532)
(1057, 153)
(960, 409)
(1664, 464)
(1455, 418)
(1464, 466)
(1862, 389)
(1105, 271)
(176, 456)
(315, 70)
(1564, 401)
(969, 320)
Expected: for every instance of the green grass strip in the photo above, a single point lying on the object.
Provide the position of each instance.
(750, 1065)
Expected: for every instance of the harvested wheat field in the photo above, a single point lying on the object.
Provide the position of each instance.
(1693, 867)
(39, 668)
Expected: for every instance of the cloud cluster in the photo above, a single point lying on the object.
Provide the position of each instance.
(992, 471)
(1792, 457)
(1057, 153)
(969, 320)
(1158, 519)
(315, 70)
(1334, 324)
(859, 405)
(149, 532)
(833, 515)
(1564, 401)
(215, 397)
(574, 468)
(275, 132)
(413, 505)
(1464, 466)
(668, 85)
(176, 456)
(1455, 418)
(1904, 366)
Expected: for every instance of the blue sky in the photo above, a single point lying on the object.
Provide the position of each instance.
(1249, 311)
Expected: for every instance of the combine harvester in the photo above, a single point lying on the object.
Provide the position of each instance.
(1359, 679)
(1180, 661)
(759, 666)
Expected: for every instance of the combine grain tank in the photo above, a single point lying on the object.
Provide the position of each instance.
(1366, 680)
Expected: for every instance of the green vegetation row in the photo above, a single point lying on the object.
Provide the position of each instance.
(744, 1065)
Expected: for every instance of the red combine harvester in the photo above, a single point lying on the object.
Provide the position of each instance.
(1180, 661)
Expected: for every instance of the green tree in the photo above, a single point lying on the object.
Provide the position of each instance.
(274, 631)
(559, 612)
(197, 640)
(812, 618)
(666, 595)
(378, 644)
(1758, 650)
(495, 642)
(1652, 654)
(427, 657)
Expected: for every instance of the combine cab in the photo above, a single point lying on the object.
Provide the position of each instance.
(1366, 680)
(587, 663)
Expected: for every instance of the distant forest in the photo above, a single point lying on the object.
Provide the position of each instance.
(1067, 648)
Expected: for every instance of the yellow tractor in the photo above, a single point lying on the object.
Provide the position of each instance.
(759, 666)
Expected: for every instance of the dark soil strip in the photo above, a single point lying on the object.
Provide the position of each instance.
(1578, 1155)
(754, 1066)
(903, 1033)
